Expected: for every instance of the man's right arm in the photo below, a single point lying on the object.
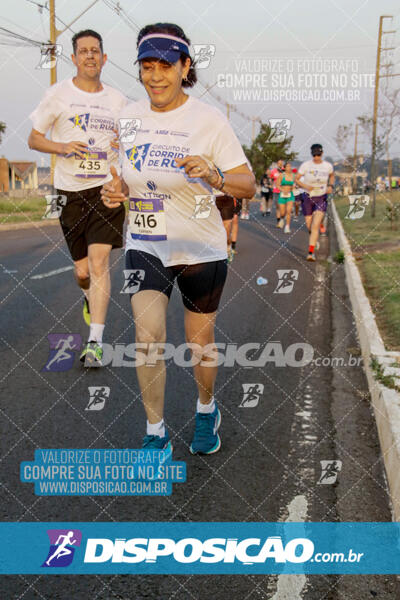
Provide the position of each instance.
(38, 141)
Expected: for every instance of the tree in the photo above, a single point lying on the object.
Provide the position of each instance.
(2, 129)
(342, 138)
(262, 152)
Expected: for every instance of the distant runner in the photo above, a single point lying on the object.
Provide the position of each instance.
(266, 193)
(316, 176)
(285, 184)
(274, 174)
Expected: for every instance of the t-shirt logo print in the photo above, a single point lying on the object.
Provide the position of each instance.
(137, 155)
(81, 121)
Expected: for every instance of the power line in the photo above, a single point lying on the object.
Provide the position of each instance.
(20, 40)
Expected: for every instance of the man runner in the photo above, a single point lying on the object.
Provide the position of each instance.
(316, 176)
(82, 114)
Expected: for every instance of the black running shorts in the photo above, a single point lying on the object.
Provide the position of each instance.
(86, 220)
(237, 207)
(200, 285)
(225, 205)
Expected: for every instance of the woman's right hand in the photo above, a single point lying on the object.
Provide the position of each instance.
(112, 192)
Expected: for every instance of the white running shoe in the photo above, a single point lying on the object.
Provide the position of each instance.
(281, 224)
(287, 229)
(317, 245)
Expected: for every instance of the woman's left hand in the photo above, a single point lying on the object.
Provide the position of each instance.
(196, 166)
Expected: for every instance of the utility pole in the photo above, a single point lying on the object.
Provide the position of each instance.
(253, 129)
(227, 110)
(53, 39)
(355, 161)
(53, 71)
(375, 113)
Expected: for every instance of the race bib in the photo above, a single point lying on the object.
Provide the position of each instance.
(264, 189)
(317, 191)
(93, 165)
(286, 195)
(147, 219)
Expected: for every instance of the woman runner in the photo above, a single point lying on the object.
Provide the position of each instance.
(183, 150)
(285, 184)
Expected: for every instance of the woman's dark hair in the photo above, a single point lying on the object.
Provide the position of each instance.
(171, 29)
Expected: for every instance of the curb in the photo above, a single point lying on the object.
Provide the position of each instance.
(385, 401)
(29, 225)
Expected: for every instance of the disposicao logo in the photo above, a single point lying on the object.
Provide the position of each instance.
(191, 550)
(62, 547)
(81, 121)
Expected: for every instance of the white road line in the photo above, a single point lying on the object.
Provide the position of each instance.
(55, 272)
(290, 587)
(303, 434)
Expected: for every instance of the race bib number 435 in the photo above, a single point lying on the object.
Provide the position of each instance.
(147, 219)
(93, 165)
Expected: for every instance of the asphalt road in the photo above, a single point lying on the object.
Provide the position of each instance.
(269, 464)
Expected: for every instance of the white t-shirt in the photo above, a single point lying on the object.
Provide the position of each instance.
(75, 115)
(172, 216)
(317, 175)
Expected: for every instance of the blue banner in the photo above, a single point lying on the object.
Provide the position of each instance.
(199, 548)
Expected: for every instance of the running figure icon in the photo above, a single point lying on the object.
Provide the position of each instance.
(62, 346)
(62, 549)
(133, 279)
(287, 279)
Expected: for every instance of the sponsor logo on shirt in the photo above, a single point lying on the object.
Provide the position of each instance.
(81, 121)
(162, 131)
(156, 156)
(85, 121)
(181, 133)
(137, 155)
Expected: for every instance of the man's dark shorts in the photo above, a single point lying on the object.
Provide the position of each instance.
(310, 205)
(86, 220)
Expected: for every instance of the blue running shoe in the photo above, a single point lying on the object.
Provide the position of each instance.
(155, 442)
(206, 439)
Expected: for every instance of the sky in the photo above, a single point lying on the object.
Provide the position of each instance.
(311, 63)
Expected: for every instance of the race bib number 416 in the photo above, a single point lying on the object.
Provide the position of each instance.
(147, 219)
(93, 165)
